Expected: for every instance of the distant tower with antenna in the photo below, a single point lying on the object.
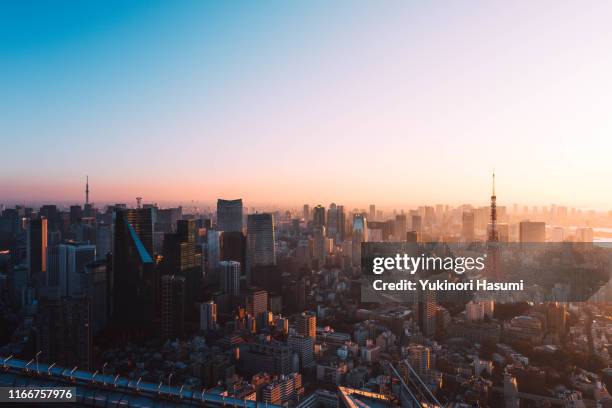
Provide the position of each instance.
(87, 191)
(138, 202)
(493, 233)
(493, 249)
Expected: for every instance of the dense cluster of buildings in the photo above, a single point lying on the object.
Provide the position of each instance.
(266, 306)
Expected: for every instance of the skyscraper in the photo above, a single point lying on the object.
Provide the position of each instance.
(186, 230)
(360, 234)
(420, 360)
(172, 306)
(372, 214)
(341, 223)
(53, 216)
(260, 242)
(400, 227)
(229, 215)
(134, 274)
(318, 216)
(426, 306)
(37, 249)
(468, 226)
(73, 258)
(320, 247)
(230, 277)
(332, 221)
(64, 332)
(213, 252)
(179, 248)
(233, 247)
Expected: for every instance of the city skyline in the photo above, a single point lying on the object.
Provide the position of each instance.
(209, 203)
(306, 204)
(281, 104)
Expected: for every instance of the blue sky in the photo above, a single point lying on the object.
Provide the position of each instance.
(284, 102)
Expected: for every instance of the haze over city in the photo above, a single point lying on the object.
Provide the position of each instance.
(282, 104)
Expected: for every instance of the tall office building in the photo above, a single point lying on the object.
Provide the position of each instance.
(213, 251)
(372, 214)
(260, 242)
(318, 216)
(73, 258)
(53, 216)
(37, 249)
(530, 231)
(306, 212)
(230, 277)
(104, 240)
(420, 360)
(233, 247)
(341, 223)
(178, 254)
(468, 227)
(320, 245)
(229, 215)
(332, 221)
(134, 275)
(76, 214)
(426, 306)
(179, 248)
(172, 306)
(360, 234)
(64, 332)
(141, 220)
(95, 284)
(186, 230)
(208, 315)
(400, 227)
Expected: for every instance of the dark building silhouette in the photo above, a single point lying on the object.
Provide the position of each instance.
(260, 242)
(233, 248)
(135, 283)
(172, 306)
(53, 216)
(76, 213)
(180, 259)
(37, 249)
(64, 332)
(229, 215)
(318, 216)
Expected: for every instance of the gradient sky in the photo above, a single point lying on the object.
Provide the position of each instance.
(396, 103)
